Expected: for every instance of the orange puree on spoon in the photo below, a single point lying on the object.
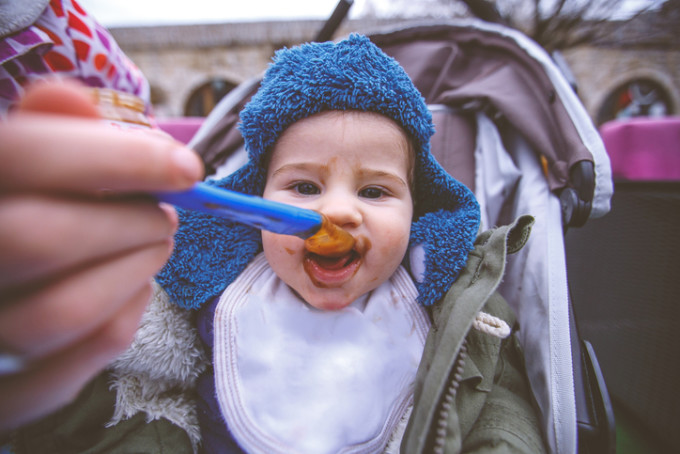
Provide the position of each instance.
(330, 240)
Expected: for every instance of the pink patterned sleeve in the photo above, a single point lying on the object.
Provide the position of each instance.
(66, 42)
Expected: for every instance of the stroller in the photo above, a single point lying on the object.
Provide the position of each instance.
(511, 128)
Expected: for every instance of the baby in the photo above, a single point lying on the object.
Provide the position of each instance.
(314, 353)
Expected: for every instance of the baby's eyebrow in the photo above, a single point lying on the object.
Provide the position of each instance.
(380, 174)
(302, 166)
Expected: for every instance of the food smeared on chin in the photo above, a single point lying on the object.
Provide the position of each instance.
(330, 240)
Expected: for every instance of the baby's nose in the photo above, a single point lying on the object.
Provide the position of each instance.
(341, 210)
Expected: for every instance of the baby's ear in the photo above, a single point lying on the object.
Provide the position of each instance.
(416, 255)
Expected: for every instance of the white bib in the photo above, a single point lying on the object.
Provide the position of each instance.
(294, 379)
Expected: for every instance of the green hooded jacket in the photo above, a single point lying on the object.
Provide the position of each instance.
(471, 391)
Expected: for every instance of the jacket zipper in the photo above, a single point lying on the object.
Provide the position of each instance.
(449, 397)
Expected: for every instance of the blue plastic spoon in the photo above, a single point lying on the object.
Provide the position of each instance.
(247, 209)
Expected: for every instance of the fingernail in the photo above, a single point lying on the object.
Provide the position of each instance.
(189, 164)
(171, 245)
(171, 213)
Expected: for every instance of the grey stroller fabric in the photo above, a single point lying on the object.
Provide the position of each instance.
(485, 72)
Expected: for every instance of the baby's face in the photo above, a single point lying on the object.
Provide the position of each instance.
(354, 168)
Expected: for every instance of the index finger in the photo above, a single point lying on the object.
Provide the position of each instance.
(55, 141)
(54, 152)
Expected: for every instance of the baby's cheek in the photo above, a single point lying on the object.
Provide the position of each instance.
(394, 244)
(280, 244)
(389, 257)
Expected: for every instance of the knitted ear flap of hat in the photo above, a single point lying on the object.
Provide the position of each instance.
(353, 74)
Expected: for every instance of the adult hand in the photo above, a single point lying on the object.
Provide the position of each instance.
(79, 248)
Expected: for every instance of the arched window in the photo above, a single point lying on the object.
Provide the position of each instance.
(636, 98)
(206, 96)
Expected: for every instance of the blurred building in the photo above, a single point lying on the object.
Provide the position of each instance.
(190, 67)
(634, 71)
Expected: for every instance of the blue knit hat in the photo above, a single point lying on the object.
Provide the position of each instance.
(353, 74)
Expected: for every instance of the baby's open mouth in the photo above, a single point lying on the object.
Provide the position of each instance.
(329, 271)
(334, 263)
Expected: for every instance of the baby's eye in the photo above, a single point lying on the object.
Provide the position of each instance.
(371, 193)
(305, 188)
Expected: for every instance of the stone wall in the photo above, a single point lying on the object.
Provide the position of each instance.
(175, 74)
(178, 59)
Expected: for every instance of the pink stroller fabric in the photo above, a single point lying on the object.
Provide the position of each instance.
(644, 148)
